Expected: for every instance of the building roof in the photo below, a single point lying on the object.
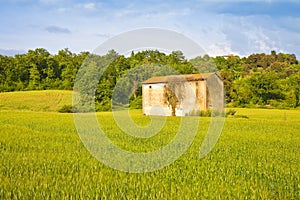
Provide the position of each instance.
(182, 77)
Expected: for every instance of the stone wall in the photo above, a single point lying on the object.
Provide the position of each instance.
(195, 99)
(153, 100)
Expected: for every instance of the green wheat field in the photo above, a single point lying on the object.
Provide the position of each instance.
(42, 156)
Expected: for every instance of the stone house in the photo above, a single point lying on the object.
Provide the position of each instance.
(198, 92)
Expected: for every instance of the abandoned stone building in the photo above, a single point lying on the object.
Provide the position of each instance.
(192, 92)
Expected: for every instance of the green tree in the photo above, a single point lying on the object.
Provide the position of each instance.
(265, 87)
(34, 82)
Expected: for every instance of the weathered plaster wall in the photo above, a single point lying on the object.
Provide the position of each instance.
(195, 98)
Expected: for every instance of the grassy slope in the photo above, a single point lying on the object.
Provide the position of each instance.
(42, 156)
(47, 100)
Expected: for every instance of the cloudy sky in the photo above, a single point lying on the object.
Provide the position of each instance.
(219, 27)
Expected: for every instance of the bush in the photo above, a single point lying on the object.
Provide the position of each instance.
(201, 113)
(207, 113)
(230, 112)
(194, 113)
(66, 109)
(136, 103)
(103, 106)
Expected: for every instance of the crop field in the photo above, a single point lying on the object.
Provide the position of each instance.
(42, 157)
(46, 100)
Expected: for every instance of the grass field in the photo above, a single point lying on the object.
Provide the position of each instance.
(46, 100)
(42, 157)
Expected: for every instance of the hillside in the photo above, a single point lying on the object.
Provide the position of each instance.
(46, 100)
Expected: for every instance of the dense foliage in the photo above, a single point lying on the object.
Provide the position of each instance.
(257, 80)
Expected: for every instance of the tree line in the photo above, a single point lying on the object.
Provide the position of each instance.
(259, 80)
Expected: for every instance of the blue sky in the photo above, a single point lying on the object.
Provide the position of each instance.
(219, 27)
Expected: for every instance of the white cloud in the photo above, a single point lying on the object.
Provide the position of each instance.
(156, 11)
(89, 6)
(220, 49)
(218, 34)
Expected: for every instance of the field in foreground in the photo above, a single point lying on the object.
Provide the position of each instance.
(42, 157)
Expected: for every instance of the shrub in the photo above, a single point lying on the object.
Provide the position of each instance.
(241, 116)
(206, 113)
(104, 105)
(136, 103)
(66, 109)
(201, 113)
(230, 112)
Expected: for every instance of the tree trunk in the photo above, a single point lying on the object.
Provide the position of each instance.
(173, 110)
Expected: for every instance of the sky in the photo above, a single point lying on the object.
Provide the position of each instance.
(220, 27)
